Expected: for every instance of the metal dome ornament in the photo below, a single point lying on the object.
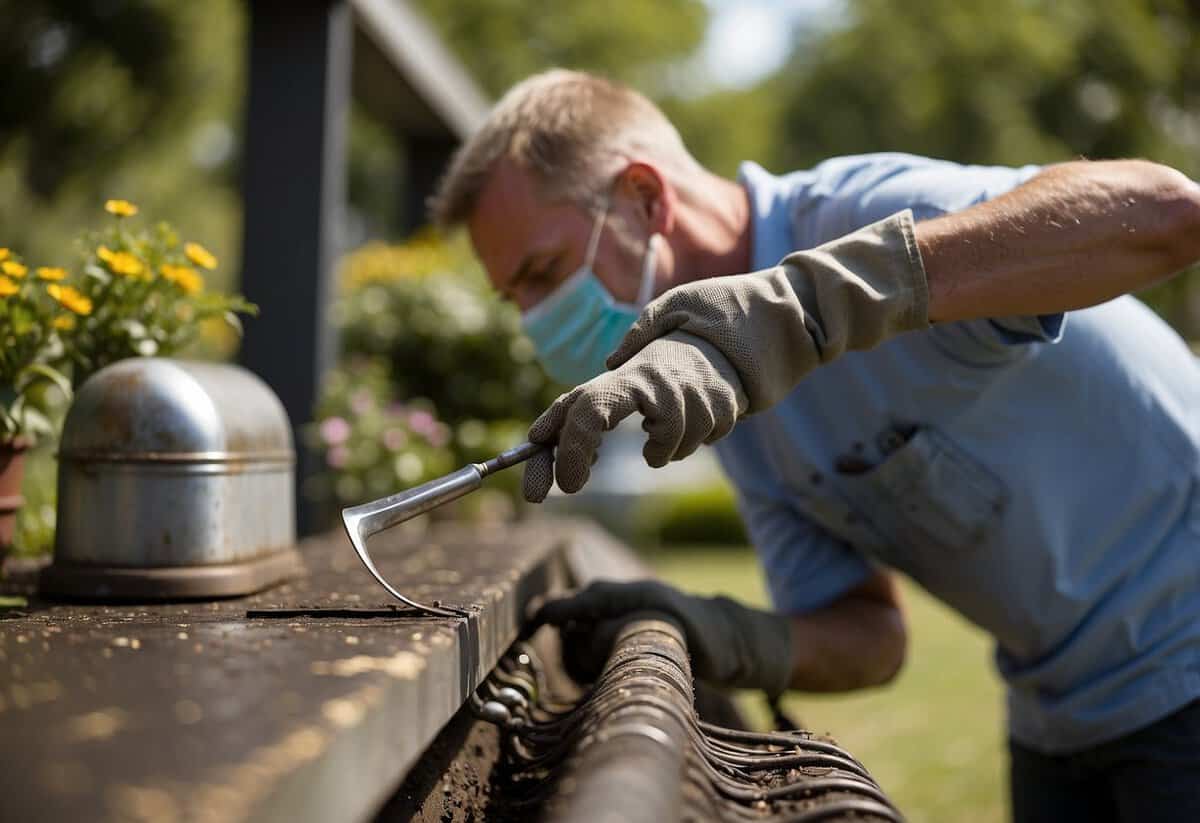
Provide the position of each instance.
(175, 482)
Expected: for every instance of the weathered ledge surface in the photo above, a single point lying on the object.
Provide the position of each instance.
(194, 712)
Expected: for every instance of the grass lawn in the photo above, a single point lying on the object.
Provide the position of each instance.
(933, 738)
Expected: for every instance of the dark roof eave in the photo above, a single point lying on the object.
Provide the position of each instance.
(409, 43)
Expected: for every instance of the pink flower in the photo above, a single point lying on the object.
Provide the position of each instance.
(361, 402)
(439, 435)
(422, 422)
(395, 439)
(335, 430)
(337, 457)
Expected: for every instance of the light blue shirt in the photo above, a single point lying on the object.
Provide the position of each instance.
(1038, 474)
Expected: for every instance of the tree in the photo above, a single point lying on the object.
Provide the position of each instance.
(125, 98)
(1003, 81)
(503, 41)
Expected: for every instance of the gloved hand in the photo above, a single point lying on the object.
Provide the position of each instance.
(730, 644)
(685, 389)
(776, 325)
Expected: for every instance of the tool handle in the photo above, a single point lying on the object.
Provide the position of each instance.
(372, 518)
(511, 457)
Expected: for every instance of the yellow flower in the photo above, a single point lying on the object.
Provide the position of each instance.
(4, 253)
(120, 262)
(70, 298)
(13, 269)
(64, 322)
(185, 277)
(51, 273)
(8, 287)
(121, 208)
(199, 255)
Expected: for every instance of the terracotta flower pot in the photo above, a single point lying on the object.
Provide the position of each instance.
(12, 472)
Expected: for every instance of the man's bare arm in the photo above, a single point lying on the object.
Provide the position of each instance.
(1075, 235)
(857, 641)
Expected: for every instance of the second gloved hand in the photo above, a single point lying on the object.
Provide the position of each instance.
(731, 645)
(683, 386)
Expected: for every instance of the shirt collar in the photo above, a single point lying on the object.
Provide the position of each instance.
(771, 225)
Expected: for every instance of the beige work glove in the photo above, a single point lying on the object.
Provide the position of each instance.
(775, 326)
(707, 352)
(683, 387)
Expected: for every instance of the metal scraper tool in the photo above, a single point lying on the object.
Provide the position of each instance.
(371, 518)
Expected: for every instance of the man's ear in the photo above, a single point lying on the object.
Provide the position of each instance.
(653, 196)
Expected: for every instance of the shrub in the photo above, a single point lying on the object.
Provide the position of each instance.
(434, 372)
(703, 516)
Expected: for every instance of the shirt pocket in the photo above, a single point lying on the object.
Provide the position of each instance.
(929, 493)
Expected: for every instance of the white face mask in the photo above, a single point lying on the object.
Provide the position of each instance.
(578, 325)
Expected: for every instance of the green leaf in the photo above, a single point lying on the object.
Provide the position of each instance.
(30, 373)
(8, 424)
(133, 328)
(97, 273)
(34, 424)
(234, 322)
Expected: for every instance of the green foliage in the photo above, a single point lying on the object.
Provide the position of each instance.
(435, 372)
(372, 443)
(724, 128)
(30, 345)
(138, 97)
(427, 309)
(1002, 81)
(26, 414)
(145, 296)
(62, 65)
(696, 517)
(35, 520)
(503, 41)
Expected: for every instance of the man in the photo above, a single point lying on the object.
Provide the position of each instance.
(1035, 470)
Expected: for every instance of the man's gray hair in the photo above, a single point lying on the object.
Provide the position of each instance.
(573, 131)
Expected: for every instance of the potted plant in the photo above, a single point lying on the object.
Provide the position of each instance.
(147, 292)
(139, 291)
(35, 308)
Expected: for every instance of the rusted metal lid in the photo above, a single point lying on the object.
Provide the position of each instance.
(152, 409)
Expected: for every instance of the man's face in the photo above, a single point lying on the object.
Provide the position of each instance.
(529, 245)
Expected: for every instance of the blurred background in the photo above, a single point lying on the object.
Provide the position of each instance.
(146, 100)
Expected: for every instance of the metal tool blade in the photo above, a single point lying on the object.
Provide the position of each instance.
(363, 521)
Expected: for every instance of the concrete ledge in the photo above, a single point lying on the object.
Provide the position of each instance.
(193, 712)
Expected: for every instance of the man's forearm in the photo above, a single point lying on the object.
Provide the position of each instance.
(855, 643)
(1075, 235)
